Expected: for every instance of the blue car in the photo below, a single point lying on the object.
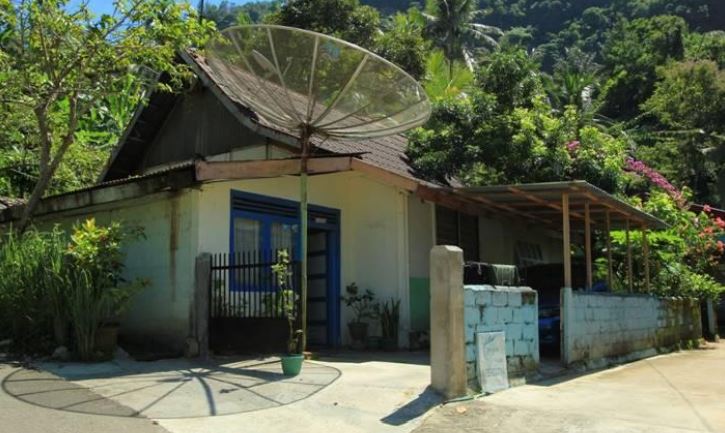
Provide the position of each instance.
(549, 329)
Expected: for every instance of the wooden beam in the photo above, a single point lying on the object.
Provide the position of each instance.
(508, 209)
(541, 201)
(448, 200)
(645, 252)
(630, 271)
(610, 270)
(567, 239)
(269, 168)
(588, 244)
(406, 183)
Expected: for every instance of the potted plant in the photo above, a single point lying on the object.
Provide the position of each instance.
(364, 306)
(389, 319)
(284, 303)
(97, 294)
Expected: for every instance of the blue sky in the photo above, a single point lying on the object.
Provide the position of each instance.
(106, 6)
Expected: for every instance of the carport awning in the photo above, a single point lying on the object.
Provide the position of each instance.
(562, 204)
(541, 203)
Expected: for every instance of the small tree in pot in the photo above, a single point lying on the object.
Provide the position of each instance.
(364, 306)
(284, 304)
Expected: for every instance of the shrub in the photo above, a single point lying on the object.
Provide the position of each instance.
(32, 275)
(97, 292)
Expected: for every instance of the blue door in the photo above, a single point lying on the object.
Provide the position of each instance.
(262, 223)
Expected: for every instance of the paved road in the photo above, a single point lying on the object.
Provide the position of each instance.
(683, 392)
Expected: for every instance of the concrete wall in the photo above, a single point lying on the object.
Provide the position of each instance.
(601, 328)
(513, 310)
(374, 234)
(421, 238)
(160, 315)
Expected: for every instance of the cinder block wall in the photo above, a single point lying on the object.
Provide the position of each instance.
(513, 310)
(601, 328)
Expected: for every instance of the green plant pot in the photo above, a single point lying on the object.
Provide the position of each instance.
(292, 364)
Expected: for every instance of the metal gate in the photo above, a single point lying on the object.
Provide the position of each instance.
(245, 310)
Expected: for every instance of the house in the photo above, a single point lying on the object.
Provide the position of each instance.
(202, 174)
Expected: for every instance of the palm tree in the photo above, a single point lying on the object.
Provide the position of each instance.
(445, 79)
(451, 26)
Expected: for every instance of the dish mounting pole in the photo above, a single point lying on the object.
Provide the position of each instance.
(305, 154)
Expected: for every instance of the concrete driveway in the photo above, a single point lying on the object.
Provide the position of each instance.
(350, 393)
(682, 392)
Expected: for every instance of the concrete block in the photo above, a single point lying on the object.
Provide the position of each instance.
(484, 297)
(529, 314)
(505, 315)
(518, 315)
(500, 298)
(529, 297)
(509, 347)
(514, 331)
(514, 299)
(469, 298)
(521, 348)
(470, 352)
(530, 333)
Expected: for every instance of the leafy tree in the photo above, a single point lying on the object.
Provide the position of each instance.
(345, 19)
(59, 62)
(632, 53)
(689, 105)
(402, 42)
(453, 29)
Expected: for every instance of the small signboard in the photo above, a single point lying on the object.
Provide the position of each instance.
(492, 371)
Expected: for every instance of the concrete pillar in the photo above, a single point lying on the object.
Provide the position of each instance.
(447, 337)
(566, 323)
(201, 306)
(711, 330)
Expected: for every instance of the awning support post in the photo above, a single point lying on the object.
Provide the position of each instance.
(588, 244)
(630, 277)
(567, 239)
(610, 271)
(645, 252)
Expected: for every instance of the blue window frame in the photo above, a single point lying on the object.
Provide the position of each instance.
(269, 215)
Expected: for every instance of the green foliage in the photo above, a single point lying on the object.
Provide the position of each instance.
(683, 258)
(389, 319)
(31, 265)
(453, 28)
(443, 81)
(363, 305)
(402, 42)
(51, 280)
(345, 19)
(632, 52)
(96, 291)
(286, 299)
(60, 63)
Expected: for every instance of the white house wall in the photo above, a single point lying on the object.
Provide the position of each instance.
(498, 238)
(159, 316)
(374, 236)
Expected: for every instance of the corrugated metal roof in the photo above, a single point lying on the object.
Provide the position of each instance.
(387, 153)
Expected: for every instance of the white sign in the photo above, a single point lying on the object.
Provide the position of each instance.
(492, 371)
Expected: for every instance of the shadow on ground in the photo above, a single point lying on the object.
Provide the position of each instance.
(166, 389)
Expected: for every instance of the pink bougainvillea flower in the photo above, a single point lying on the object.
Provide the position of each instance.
(654, 177)
(720, 246)
(720, 223)
(707, 208)
(572, 146)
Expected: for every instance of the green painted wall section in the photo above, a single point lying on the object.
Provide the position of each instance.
(420, 304)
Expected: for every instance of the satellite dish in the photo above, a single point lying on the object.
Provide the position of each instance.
(313, 84)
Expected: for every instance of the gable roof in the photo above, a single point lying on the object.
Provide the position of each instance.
(387, 153)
